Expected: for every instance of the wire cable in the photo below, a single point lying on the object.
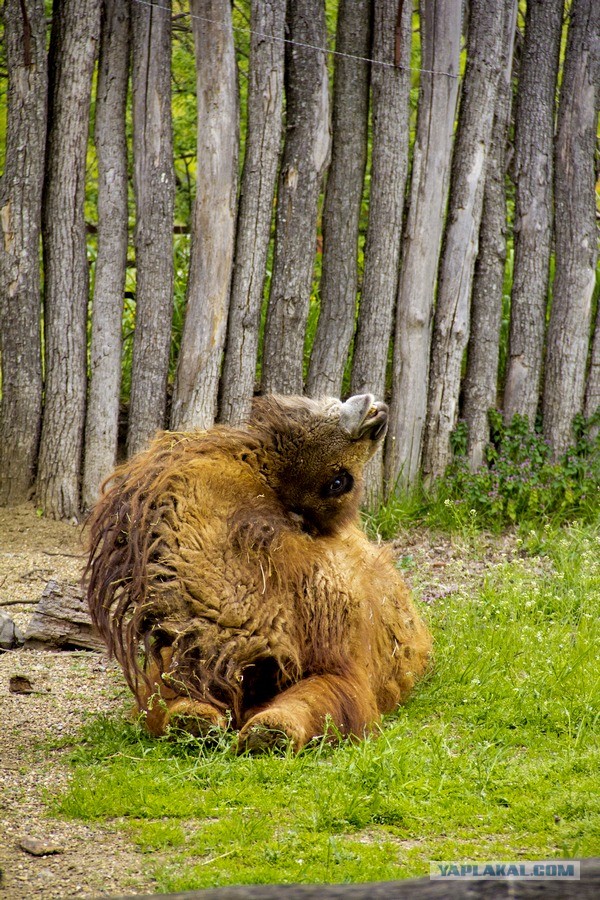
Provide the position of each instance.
(324, 50)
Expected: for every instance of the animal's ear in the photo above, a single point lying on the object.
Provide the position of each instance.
(354, 412)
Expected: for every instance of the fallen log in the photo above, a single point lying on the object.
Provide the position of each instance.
(62, 620)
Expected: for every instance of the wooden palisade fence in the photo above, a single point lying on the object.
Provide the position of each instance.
(371, 180)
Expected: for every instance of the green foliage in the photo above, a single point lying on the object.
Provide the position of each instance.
(405, 508)
(495, 756)
(520, 484)
(128, 332)
(183, 94)
(506, 294)
(182, 263)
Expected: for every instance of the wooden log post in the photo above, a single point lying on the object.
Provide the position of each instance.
(61, 620)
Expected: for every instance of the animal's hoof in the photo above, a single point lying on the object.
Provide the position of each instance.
(271, 729)
(198, 719)
(194, 725)
(259, 738)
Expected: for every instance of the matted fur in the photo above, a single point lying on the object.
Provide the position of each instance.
(228, 581)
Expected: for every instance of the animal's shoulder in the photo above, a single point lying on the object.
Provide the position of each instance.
(367, 568)
(176, 461)
(352, 548)
(192, 450)
(180, 474)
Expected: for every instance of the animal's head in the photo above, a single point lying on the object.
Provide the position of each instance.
(315, 453)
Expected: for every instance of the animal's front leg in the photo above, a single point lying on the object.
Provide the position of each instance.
(302, 712)
(163, 704)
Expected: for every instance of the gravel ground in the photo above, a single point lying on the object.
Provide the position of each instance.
(98, 860)
(94, 860)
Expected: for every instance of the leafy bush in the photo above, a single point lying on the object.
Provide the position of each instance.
(519, 485)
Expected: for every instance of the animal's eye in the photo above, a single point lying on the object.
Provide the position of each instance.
(341, 484)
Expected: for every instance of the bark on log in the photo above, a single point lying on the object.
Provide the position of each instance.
(62, 620)
(75, 32)
(592, 390)
(440, 34)
(101, 429)
(576, 232)
(305, 159)
(265, 92)
(481, 382)
(213, 226)
(343, 195)
(534, 152)
(20, 223)
(392, 44)
(154, 184)
(453, 307)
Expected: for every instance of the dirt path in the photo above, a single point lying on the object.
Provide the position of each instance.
(69, 687)
(97, 860)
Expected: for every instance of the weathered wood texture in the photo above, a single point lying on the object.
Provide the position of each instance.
(20, 218)
(343, 194)
(576, 232)
(213, 227)
(534, 152)
(412, 889)
(305, 159)
(265, 93)
(592, 390)
(440, 35)
(392, 42)
(154, 185)
(62, 620)
(101, 429)
(461, 237)
(75, 32)
(481, 381)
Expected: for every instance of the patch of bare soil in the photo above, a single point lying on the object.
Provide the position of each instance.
(438, 565)
(69, 687)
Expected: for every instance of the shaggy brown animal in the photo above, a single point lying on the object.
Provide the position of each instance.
(229, 577)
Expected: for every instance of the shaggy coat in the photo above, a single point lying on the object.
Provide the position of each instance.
(229, 577)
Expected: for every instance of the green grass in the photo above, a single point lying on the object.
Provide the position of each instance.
(496, 756)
